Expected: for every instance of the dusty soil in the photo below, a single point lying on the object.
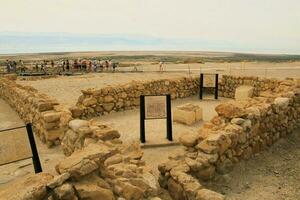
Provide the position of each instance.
(272, 174)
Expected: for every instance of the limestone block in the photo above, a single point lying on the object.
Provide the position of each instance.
(243, 92)
(187, 114)
(50, 116)
(52, 135)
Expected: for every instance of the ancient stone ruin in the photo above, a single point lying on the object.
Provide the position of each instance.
(100, 166)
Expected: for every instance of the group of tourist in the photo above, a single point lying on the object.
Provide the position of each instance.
(63, 66)
(12, 66)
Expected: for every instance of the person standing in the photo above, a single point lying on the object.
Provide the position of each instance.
(43, 67)
(22, 67)
(63, 65)
(52, 64)
(14, 66)
(36, 67)
(68, 65)
(161, 66)
(7, 66)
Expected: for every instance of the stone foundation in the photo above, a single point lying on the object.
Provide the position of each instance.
(49, 119)
(240, 130)
(98, 166)
(123, 97)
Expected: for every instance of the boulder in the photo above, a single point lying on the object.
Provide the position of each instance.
(108, 106)
(106, 133)
(85, 161)
(281, 102)
(188, 139)
(93, 192)
(50, 116)
(75, 124)
(76, 111)
(90, 101)
(229, 110)
(65, 192)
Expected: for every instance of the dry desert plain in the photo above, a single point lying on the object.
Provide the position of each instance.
(272, 174)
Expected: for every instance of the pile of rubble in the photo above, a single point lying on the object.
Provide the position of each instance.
(123, 97)
(241, 129)
(98, 166)
(49, 119)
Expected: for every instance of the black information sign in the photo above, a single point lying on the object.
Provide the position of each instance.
(209, 81)
(16, 146)
(155, 107)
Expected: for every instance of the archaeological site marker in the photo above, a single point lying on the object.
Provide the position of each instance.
(209, 81)
(155, 107)
(16, 145)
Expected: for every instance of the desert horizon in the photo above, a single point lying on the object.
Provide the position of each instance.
(149, 100)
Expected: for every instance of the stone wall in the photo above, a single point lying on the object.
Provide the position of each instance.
(49, 119)
(240, 130)
(228, 84)
(123, 97)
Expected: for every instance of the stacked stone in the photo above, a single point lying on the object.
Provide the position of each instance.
(228, 84)
(98, 166)
(47, 117)
(123, 97)
(82, 132)
(240, 130)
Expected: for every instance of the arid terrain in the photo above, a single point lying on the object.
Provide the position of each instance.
(270, 174)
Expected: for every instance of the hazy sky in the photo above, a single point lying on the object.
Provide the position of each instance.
(248, 25)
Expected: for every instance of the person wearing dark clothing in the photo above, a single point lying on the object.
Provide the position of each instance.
(68, 65)
(8, 66)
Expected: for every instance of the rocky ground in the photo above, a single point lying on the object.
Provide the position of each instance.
(271, 174)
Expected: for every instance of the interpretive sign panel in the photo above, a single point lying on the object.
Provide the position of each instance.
(209, 81)
(14, 146)
(155, 107)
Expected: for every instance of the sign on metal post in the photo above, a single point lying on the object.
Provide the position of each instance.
(209, 81)
(155, 107)
(16, 145)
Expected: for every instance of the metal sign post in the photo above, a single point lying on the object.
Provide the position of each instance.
(16, 147)
(153, 107)
(35, 156)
